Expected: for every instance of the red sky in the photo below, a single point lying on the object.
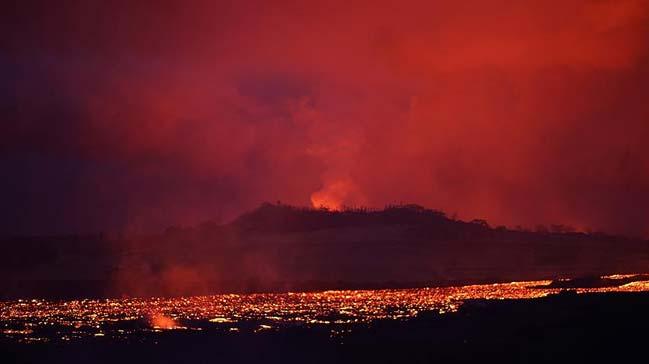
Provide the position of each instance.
(127, 116)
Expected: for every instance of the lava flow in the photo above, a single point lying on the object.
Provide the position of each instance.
(42, 320)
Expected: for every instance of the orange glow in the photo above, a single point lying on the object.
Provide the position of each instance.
(33, 320)
(333, 196)
(321, 200)
(502, 109)
(159, 321)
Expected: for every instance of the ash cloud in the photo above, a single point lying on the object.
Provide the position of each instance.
(137, 117)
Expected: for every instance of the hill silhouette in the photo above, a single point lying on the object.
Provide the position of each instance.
(278, 217)
(279, 247)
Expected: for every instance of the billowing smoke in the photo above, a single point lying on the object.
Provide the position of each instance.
(135, 117)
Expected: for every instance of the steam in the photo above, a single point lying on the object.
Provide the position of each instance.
(520, 113)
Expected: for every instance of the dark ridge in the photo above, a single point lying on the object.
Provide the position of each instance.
(285, 218)
(278, 248)
(596, 281)
(278, 218)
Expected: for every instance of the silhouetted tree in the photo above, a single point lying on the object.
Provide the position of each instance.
(562, 229)
(480, 222)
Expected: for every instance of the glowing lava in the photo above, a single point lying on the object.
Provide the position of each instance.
(333, 195)
(31, 321)
(159, 321)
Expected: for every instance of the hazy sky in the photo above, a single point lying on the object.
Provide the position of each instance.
(127, 115)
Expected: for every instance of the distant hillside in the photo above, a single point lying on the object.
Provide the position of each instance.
(286, 218)
(279, 247)
(277, 218)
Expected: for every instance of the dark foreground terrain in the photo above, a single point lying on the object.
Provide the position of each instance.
(608, 327)
(279, 248)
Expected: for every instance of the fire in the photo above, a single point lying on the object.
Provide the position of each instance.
(318, 200)
(159, 321)
(333, 195)
(42, 320)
